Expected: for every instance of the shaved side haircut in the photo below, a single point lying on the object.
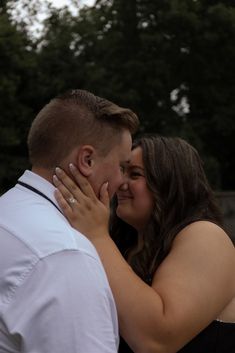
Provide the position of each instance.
(75, 118)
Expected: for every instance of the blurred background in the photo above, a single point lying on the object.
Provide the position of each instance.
(171, 61)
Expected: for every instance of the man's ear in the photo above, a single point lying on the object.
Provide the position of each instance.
(85, 159)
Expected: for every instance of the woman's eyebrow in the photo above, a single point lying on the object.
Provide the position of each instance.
(132, 166)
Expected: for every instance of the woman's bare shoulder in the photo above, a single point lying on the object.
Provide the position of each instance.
(205, 231)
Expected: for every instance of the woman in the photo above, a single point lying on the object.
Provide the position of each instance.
(174, 286)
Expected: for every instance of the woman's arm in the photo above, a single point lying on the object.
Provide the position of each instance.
(190, 288)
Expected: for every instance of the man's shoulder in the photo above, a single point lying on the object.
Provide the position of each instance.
(35, 222)
(43, 237)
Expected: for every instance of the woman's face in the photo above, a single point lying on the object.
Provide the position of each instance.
(135, 200)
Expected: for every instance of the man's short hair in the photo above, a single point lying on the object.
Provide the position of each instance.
(75, 118)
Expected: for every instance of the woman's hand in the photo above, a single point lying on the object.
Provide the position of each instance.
(82, 208)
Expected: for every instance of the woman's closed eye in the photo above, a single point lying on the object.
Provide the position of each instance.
(134, 174)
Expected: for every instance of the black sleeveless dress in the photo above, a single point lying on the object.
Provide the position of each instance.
(218, 337)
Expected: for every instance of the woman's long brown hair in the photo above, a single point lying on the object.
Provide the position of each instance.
(174, 174)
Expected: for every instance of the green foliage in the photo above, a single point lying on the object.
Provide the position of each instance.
(15, 110)
(171, 61)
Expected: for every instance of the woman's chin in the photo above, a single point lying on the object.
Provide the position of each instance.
(122, 213)
(125, 216)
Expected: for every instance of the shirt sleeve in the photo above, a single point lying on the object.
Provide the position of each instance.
(65, 305)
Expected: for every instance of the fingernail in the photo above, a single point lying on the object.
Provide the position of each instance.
(55, 179)
(72, 167)
(58, 170)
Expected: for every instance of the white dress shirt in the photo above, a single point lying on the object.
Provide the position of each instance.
(54, 293)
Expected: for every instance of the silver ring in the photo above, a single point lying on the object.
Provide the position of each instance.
(72, 200)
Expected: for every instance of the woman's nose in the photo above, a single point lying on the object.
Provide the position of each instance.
(124, 185)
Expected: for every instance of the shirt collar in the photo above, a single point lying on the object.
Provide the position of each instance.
(40, 184)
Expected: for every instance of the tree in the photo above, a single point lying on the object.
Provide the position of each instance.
(171, 61)
(16, 61)
(145, 50)
(206, 67)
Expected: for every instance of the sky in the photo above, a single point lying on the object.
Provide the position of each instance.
(60, 3)
(35, 27)
(74, 9)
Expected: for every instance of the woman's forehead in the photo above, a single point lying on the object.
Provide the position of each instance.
(136, 156)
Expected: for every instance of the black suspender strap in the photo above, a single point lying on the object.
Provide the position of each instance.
(27, 186)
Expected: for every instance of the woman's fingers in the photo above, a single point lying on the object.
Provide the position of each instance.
(67, 210)
(71, 212)
(81, 192)
(104, 195)
(70, 198)
(82, 182)
(86, 213)
(67, 181)
(86, 187)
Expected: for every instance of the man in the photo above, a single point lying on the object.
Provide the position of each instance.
(54, 294)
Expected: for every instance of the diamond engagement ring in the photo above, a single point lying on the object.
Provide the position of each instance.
(72, 200)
